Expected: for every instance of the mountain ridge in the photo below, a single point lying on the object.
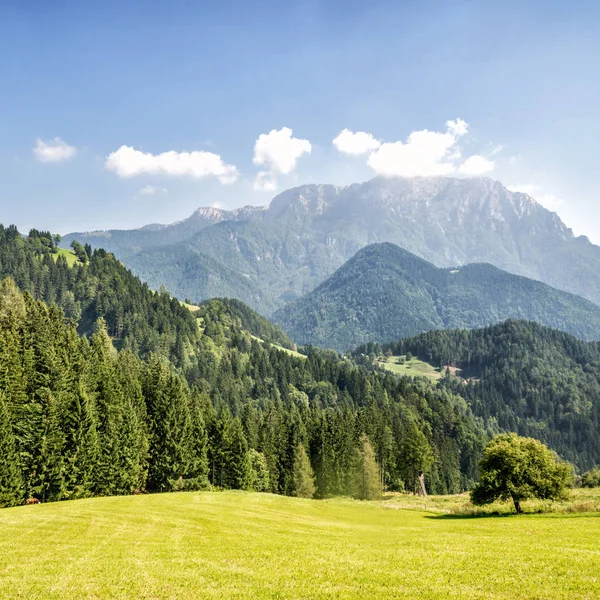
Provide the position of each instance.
(288, 248)
(384, 293)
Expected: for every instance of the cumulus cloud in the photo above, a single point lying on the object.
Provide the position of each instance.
(279, 152)
(549, 201)
(129, 162)
(355, 143)
(476, 165)
(425, 153)
(56, 150)
(151, 190)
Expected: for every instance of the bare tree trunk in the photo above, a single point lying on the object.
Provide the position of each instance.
(517, 506)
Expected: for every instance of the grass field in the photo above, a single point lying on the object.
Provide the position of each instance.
(244, 545)
(68, 254)
(414, 367)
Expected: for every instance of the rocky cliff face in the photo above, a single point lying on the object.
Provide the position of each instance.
(287, 249)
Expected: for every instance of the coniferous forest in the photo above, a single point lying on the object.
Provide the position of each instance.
(519, 376)
(110, 388)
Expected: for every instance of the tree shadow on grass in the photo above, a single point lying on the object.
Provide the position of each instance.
(496, 515)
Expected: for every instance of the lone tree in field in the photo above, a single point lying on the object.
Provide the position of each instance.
(517, 468)
(365, 483)
(304, 478)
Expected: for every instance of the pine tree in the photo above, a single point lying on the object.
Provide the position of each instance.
(304, 478)
(365, 482)
(11, 482)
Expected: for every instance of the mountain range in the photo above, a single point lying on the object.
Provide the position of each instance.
(270, 256)
(385, 293)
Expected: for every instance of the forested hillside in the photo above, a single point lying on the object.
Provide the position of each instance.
(385, 293)
(187, 400)
(520, 376)
(97, 286)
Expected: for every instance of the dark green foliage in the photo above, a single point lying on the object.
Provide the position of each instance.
(251, 321)
(520, 376)
(11, 483)
(134, 315)
(417, 456)
(385, 293)
(187, 399)
(80, 252)
(516, 468)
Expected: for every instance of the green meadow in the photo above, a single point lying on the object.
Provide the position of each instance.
(413, 367)
(69, 255)
(246, 545)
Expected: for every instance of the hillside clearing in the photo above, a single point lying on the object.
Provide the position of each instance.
(69, 256)
(413, 367)
(245, 545)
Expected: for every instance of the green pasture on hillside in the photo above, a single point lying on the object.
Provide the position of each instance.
(413, 367)
(69, 255)
(246, 545)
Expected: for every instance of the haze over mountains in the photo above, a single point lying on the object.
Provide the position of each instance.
(268, 257)
(384, 293)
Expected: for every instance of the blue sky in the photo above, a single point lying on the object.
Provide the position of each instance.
(135, 80)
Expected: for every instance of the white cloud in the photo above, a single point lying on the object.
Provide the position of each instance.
(425, 153)
(476, 165)
(265, 181)
(151, 190)
(549, 201)
(279, 151)
(355, 143)
(129, 162)
(55, 150)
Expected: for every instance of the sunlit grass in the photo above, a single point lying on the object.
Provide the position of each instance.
(413, 367)
(578, 500)
(244, 545)
(69, 255)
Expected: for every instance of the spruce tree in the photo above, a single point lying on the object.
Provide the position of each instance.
(237, 470)
(260, 471)
(11, 482)
(304, 478)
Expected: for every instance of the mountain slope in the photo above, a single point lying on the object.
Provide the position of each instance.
(159, 398)
(125, 242)
(523, 377)
(308, 232)
(385, 293)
